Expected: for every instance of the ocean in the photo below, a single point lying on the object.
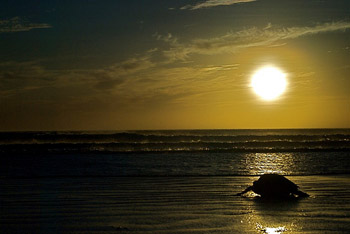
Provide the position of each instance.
(172, 181)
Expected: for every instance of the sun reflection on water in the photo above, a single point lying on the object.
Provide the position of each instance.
(274, 230)
(264, 222)
(271, 217)
(270, 230)
(262, 163)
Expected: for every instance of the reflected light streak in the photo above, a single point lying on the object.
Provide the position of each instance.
(264, 220)
(274, 230)
(262, 163)
(270, 230)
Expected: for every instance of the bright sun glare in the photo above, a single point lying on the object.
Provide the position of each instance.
(269, 83)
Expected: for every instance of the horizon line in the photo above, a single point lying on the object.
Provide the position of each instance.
(179, 129)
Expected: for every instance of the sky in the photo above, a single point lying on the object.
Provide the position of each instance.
(181, 64)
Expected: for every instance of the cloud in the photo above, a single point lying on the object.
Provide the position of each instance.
(16, 24)
(129, 84)
(214, 3)
(251, 37)
(109, 77)
(146, 81)
(17, 77)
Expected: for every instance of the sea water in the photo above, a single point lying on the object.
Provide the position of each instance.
(175, 153)
(172, 181)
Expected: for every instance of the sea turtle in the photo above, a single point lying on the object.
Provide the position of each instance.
(274, 186)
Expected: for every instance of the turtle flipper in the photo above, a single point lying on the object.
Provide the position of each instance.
(301, 194)
(245, 191)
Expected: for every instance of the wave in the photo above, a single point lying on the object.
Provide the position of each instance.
(339, 174)
(206, 136)
(176, 141)
(272, 146)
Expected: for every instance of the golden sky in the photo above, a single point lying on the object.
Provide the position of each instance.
(118, 65)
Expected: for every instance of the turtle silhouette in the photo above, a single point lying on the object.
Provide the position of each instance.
(274, 186)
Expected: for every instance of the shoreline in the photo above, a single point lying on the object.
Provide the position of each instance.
(169, 205)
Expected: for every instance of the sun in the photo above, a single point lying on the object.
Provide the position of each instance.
(269, 83)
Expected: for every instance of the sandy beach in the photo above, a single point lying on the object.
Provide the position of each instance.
(169, 205)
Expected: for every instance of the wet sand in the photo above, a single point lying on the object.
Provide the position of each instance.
(169, 205)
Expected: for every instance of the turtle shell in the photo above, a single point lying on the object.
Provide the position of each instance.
(273, 186)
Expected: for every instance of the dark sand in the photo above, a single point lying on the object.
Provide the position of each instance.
(169, 205)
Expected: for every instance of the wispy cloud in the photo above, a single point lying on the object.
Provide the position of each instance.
(251, 37)
(134, 83)
(21, 77)
(145, 81)
(17, 24)
(109, 77)
(213, 3)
